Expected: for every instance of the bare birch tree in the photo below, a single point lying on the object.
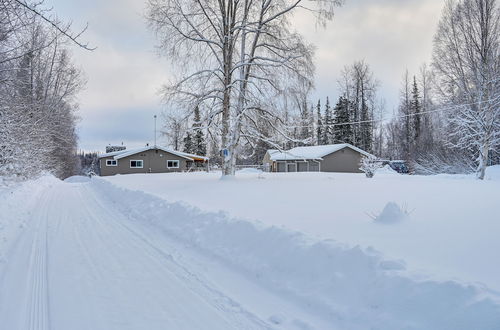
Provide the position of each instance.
(234, 59)
(466, 60)
(37, 103)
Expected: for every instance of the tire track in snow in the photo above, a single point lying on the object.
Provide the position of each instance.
(239, 317)
(38, 299)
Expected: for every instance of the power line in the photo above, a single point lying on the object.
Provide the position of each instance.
(452, 108)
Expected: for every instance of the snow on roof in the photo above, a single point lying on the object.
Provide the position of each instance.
(109, 154)
(125, 153)
(284, 155)
(313, 152)
(192, 155)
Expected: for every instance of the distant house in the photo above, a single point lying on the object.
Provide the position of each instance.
(149, 160)
(328, 158)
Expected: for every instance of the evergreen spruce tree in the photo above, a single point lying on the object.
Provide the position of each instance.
(306, 129)
(319, 130)
(188, 143)
(312, 126)
(416, 109)
(366, 132)
(199, 145)
(343, 132)
(328, 129)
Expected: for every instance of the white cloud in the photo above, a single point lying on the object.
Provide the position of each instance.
(120, 78)
(124, 74)
(390, 35)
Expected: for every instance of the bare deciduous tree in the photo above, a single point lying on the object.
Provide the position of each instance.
(467, 64)
(37, 103)
(234, 60)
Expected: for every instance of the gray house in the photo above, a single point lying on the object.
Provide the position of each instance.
(149, 160)
(329, 158)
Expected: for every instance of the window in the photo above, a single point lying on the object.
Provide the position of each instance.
(172, 164)
(111, 162)
(136, 164)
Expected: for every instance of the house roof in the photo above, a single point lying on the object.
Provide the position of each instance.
(284, 155)
(125, 153)
(312, 152)
(193, 156)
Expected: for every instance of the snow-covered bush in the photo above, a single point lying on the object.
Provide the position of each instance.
(391, 213)
(369, 165)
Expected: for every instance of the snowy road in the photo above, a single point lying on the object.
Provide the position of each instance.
(87, 254)
(80, 264)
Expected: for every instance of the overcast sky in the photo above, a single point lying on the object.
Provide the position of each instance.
(124, 73)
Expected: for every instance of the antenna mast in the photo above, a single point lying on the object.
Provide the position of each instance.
(155, 129)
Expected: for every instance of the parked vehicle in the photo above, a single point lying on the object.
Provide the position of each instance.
(399, 166)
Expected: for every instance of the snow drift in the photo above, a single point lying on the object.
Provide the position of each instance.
(386, 169)
(392, 213)
(77, 179)
(350, 286)
(493, 173)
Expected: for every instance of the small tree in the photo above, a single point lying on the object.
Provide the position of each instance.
(328, 121)
(188, 143)
(416, 110)
(199, 145)
(369, 165)
(319, 130)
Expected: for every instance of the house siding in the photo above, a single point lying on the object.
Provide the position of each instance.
(154, 161)
(345, 160)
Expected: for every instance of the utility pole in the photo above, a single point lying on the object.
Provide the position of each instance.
(155, 129)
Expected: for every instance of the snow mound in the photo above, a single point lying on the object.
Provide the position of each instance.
(493, 173)
(249, 171)
(349, 286)
(392, 213)
(386, 169)
(77, 179)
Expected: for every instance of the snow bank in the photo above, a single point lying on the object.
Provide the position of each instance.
(493, 173)
(77, 179)
(352, 287)
(386, 169)
(249, 171)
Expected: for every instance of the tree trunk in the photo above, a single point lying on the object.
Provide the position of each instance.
(483, 160)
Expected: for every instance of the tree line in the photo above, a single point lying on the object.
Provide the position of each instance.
(449, 116)
(38, 88)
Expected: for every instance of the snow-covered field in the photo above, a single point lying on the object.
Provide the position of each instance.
(261, 251)
(452, 231)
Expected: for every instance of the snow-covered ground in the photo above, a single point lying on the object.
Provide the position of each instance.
(288, 251)
(452, 231)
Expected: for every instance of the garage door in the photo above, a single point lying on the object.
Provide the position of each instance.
(292, 167)
(301, 167)
(281, 167)
(313, 167)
